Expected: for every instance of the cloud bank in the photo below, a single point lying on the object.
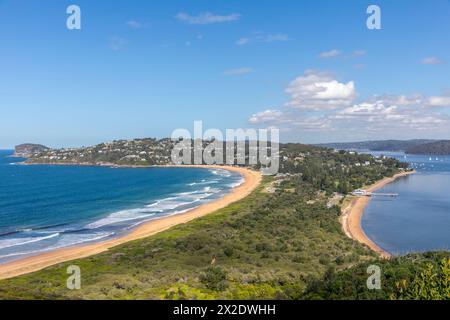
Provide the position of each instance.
(320, 103)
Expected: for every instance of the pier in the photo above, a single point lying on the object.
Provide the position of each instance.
(364, 193)
(375, 194)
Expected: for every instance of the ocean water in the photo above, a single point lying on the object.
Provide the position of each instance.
(419, 219)
(43, 208)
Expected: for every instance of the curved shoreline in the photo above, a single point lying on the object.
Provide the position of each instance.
(252, 180)
(352, 216)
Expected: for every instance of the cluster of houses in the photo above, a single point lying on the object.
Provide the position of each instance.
(138, 151)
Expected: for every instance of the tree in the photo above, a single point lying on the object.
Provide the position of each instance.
(214, 278)
(430, 284)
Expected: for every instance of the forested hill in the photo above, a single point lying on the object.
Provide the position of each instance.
(326, 169)
(382, 145)
(433, 148)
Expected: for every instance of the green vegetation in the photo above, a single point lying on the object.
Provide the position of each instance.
(413, 277)
(433, 148)
(312, 161)
(284, 241)
(332, 171)
(417, 146)
(214, 279)
(121, 152)
(266, 246)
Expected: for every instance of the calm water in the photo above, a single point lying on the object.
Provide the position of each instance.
(419, 219)
(43, 208)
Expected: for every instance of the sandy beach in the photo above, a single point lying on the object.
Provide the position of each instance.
(252, 179)
(352, 215)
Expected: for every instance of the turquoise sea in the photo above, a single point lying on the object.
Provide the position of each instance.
(43, 207)
(418, 219)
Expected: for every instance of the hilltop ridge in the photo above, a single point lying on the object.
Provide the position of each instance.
(378, 145)
(26, 149)
(433, 148)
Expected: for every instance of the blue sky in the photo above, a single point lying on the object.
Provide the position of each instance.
(144, 68)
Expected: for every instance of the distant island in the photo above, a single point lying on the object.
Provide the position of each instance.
(27, 149)
(416, 146)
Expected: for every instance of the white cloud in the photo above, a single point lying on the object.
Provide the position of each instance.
(207, 18)
(321, 104)
(287, 121)
(439, 101)
(416, 100)
(366, 109)
(330, 54)
(238, 71)
(379, 116)
(267, 116)
(359, 53)
(258, 37)
(400, 100)
(365, 117)
(431, 60)
(317, 91)
(135, 24)
(243, 41)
